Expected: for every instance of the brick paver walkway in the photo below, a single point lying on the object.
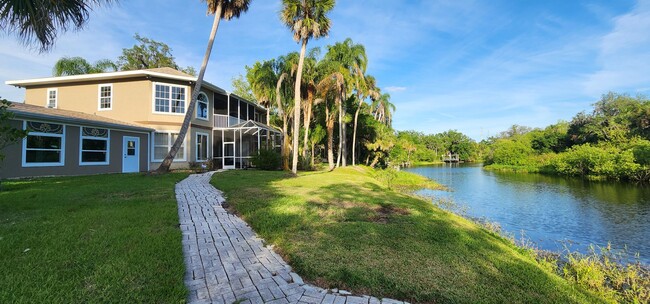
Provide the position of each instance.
(227, 262)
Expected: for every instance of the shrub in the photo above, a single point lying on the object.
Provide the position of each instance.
(267, 159)
(200, 167)
(598, 162)
(609, 274)
(509, 152)
(386, 176)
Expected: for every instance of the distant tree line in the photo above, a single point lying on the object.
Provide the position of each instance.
(611, 142)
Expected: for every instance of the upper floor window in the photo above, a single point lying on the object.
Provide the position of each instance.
(105, 96)
(202, 106)
(169, 99)
(44, 146)
(52, 97)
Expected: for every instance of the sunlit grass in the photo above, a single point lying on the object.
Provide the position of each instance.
(101, 239)
(346, 229)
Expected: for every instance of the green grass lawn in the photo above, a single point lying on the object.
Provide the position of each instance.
(104, 238)
(345, 229)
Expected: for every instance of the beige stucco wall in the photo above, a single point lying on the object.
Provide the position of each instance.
(190, 144)
(132, 100)
(12, 165)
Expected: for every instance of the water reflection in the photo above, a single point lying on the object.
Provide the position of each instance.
(551, 211)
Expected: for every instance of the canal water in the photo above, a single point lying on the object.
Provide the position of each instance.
(555, 213)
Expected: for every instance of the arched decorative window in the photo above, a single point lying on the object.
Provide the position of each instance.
(202, 106)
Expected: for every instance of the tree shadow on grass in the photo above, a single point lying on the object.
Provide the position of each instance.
(340, 235)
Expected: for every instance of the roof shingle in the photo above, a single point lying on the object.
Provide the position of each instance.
(32, 111)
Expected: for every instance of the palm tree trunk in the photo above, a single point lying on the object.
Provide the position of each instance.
(167, 162)
(268, 115)
(296, 110)
(329, 125)
(285, 144)
(338, 157)
(312, 155)
(374, 161)
(281, 111)
(268, 123)
(344, 138)
(306, 122)
(354, 132)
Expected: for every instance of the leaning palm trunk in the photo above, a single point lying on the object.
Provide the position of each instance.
(285, 123)
(374, 161)
(296, 110)
(167, 162)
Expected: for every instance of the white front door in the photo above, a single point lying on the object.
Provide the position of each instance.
(131, 154)
(229, 155)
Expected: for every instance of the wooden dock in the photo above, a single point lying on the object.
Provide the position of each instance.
(451, 158)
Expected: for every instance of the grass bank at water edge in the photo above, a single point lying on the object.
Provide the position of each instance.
(348, 230)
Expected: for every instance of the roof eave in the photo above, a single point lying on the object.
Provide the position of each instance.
(91, 77)
(23, 114)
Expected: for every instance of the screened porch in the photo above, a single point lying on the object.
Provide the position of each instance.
(233, 147)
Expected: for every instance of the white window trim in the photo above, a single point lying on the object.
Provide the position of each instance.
(153, 98)
(56, 98)
(207, 105)
(24, 151)
(99, 97)
(153, 145)
(196, 148)
(108, 148)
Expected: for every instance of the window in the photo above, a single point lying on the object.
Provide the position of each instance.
(201, 147)
(52, 98)
(234, 107)
(169, 99)
(162, 142)
(105, 96)
(94, 146)
(220, 104)
(44, 146)
(202, 106)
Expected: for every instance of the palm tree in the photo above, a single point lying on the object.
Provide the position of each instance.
(332, 87)
(262, 79)
(309, 79)
(382, 143)
(306, 19)
(315, 137)
(366, 87)
(67, 66)
(352, 57)
(226, 9)
(383, 109)
(37, 22)
(284, 67)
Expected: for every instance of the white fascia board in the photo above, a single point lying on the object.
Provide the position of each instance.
(98, 76)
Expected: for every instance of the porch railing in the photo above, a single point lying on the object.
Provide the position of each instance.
(221, 121)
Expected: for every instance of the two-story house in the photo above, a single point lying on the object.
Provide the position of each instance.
(127, 121)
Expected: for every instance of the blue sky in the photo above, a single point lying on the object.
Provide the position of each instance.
(470, 65)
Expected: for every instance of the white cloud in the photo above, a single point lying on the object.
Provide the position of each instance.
(624, 54)
(393, 89)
